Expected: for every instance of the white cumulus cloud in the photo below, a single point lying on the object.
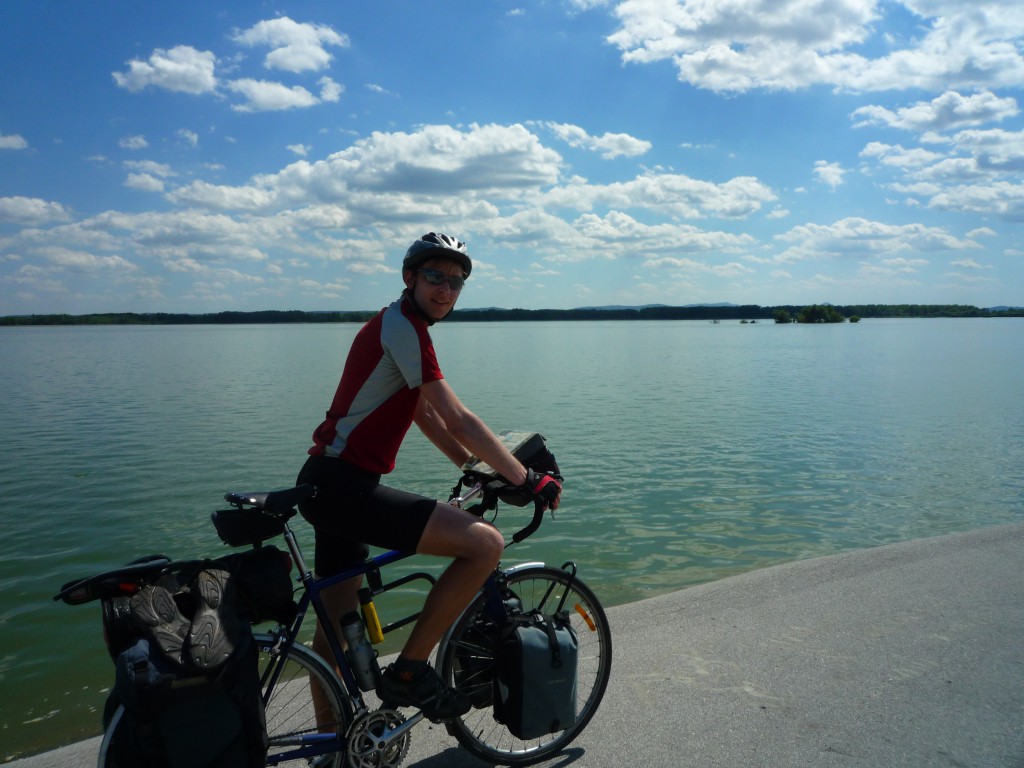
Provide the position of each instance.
(144, 182)
(608, 145)
(295, 47)
(740, 45)
(133, 142)
(182, 68)
(265, 96)
(13, 141)
(31, 210)
(951, 110)
(829, 173)
(330, 90)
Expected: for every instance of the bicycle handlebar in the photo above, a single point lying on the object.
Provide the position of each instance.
(538, 517)
(492, 492)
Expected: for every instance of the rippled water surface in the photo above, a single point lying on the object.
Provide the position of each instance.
(692, 451)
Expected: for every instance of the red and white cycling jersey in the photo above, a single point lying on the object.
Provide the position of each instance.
(373, 407)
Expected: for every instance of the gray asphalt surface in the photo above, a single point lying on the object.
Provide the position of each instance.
(905, 655)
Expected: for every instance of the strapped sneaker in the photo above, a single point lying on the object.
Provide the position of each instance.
(216, 628)
(426, 692)
(154, 612)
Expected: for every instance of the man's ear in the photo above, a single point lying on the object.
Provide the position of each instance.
(409, 277)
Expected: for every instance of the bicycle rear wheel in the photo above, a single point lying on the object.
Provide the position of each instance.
(294, 722)
(466, 662)
(106, 759)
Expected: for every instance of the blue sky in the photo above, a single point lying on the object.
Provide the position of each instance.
(201, 157)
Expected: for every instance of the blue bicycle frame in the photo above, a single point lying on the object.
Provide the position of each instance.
(315, 744)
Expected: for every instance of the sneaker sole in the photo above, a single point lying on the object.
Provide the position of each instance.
(154, 611)
(215, 627)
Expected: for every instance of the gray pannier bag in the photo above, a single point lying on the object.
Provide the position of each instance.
(535, 675)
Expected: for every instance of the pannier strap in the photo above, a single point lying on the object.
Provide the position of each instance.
(553, 644)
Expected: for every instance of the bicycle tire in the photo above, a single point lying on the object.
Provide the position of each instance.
(104, 760)
(465, 662)
(290, 712)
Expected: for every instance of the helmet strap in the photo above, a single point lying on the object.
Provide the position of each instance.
(410, 293)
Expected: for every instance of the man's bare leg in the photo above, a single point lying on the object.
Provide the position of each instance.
(338, 600)
(476, 546)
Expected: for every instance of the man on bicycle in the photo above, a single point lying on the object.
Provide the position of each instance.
(391, 380)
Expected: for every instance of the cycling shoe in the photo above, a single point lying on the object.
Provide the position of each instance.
(216, 628)
(426, 692)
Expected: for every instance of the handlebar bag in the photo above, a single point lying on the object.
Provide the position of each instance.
(532, 451)
(535, 664)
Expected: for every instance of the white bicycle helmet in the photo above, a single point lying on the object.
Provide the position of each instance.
(435, 245)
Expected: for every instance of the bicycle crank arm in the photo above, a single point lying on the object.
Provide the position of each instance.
(380, 738)
(399, 731)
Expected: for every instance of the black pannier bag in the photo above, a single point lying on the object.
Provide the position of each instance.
(535, 664)
(263, 582)
(176, 717)
(180, 715)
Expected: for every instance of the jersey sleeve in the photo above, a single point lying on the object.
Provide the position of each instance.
(409, 344)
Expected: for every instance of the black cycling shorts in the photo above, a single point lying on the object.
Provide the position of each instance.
(352, 509)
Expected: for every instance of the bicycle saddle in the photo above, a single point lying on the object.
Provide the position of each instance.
(274, 502)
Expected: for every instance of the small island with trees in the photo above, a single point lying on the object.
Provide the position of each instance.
(816, 313)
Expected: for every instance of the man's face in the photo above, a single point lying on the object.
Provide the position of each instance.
(436, 301)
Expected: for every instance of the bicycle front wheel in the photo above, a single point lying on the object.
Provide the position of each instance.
(307, 711)
(466, 662)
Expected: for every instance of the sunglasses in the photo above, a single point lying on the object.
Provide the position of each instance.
(436, 277)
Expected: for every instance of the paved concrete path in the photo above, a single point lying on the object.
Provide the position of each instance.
(905, 655)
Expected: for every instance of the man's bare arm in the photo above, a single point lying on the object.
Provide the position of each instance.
(466, 428)
(433, 426)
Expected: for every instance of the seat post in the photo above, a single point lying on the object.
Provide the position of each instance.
(293, 547)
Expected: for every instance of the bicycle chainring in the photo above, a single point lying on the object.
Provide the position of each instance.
(367, 744)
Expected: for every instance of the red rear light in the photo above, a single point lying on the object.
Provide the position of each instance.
(81, 595)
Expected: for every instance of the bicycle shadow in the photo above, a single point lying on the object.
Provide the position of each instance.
(456, 757)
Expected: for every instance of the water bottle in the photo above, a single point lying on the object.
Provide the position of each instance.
(361, 656)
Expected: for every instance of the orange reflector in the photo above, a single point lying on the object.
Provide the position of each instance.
(586, 617)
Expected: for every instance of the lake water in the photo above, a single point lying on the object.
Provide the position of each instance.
(691, 450)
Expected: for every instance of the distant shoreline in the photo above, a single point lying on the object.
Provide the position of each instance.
(657, 312)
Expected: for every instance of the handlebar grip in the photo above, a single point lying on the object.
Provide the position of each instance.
(538, 517)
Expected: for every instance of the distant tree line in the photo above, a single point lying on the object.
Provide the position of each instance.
(167, 318)
(816, 313)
